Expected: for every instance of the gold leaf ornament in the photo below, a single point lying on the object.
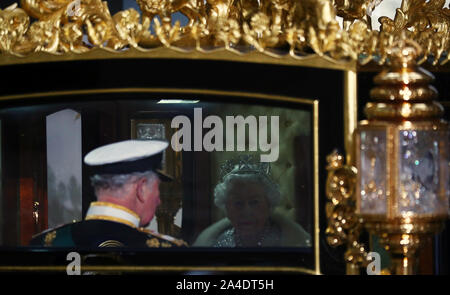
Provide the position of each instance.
(14, 23)
(63, 26)
(45, 9)
(130, 28)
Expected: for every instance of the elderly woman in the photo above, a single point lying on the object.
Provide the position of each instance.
(248, 196)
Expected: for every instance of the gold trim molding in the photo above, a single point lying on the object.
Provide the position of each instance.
(219, 54)
(159, 268)
(242, 94)
(286, 31)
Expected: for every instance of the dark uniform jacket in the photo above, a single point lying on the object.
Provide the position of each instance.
(106, 225)
(102, 233)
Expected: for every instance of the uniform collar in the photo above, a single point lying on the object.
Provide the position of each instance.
(112, 212)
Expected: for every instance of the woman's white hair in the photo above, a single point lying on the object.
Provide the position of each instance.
(222, 189)
(117, 182)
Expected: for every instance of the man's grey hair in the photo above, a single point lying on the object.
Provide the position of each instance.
(116, 182)
(222, 189)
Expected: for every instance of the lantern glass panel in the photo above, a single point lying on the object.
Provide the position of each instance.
(420, 190)
(373, 172)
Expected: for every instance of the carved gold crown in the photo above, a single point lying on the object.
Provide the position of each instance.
(277, 28)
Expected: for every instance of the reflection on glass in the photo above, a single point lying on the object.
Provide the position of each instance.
(149, 132)
(1, 189)
(245, 178)
(249, 197)
(419, 175)
(373, 172)
(64, 167)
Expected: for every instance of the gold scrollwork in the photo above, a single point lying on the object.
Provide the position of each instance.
(344, 227)
(271, 27)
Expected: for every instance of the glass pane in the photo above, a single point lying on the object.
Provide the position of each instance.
(419, 169)
(373, 172)
(1, 189)
(243, 173)
(64, 167)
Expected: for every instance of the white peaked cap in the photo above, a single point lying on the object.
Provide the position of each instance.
(127, 156)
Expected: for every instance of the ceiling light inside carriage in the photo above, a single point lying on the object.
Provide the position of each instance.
(180, 101)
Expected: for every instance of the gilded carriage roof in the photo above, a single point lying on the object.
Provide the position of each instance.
(274, 31)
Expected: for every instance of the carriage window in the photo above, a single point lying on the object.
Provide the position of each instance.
(64, 161)
(243, 174)
(1, 190)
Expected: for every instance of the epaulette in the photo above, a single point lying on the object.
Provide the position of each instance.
(49, 234)
(48, 230)
(152, 242)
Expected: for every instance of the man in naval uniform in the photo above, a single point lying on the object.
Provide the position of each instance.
(126, 179)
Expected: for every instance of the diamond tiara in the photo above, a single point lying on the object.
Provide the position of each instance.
(245, 164)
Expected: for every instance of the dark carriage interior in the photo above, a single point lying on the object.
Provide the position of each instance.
(53, 113)
(104, 107)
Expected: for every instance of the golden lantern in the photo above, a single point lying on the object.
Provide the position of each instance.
(402, 187)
